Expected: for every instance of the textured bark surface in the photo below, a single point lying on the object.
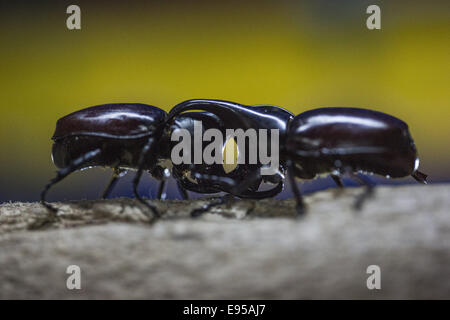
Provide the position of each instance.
(249, 249)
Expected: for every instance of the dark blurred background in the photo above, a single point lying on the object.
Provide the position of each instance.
(295, 54)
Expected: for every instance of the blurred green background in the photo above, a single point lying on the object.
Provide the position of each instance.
(299, 55)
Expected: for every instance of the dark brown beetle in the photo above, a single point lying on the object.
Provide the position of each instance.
(212, 178)
(335, 141)
(347, 141)
(137, 136)
(232, 115)
(120, 136)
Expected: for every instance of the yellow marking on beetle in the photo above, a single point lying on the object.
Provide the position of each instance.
(230, 155)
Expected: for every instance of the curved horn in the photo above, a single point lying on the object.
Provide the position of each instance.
(222, 109)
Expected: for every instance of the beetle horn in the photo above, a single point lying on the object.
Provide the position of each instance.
(221, 108)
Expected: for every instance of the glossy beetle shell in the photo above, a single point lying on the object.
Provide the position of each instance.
(119, 130)
(238, 116)
(120, 120)
(341, 139)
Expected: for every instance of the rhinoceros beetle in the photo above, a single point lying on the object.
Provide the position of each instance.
(136, 136)
(336, 141)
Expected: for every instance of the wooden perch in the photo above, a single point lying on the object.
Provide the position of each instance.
(250, 249)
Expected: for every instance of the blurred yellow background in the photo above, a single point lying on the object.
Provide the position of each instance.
(298, 55)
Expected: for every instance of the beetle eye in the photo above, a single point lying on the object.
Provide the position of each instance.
(230, 153)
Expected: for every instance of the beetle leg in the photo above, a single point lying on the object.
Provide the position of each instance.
(64, 172)
(262, 194)
(229, 182)
(137, 178)
(205, 208)
(420, 176)
(242, 188)
(369, 190)
(117, 174)
(162, 184)
(298, 196)
(337, 180)
(340, 185)
(229, 185)
(247, 194)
